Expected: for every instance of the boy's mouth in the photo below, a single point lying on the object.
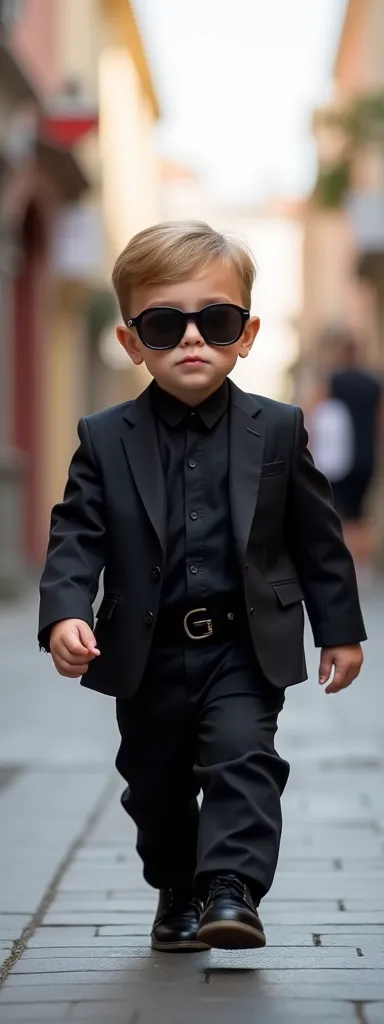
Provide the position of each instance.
(193, 359)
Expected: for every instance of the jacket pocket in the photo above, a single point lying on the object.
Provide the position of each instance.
(288, 593)
(106, 609)
(273, 468)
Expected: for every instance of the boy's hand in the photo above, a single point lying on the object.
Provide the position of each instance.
(347, 659)
(73, 646)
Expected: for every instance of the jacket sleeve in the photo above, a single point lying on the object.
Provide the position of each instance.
(324, 563)
(77, 544)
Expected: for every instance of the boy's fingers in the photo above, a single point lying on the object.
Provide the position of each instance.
(75, 659)
(343, 678)
(73, 646)
(87, 638)
(72, 671)
(69, 648)
(326, 663)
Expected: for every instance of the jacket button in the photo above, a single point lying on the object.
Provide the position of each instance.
(156, 572)
(251, 611)
(149, 618)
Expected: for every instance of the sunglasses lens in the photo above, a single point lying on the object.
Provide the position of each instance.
(222, 324)
(162, 328)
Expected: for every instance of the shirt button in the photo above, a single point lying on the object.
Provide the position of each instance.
(194, 570)
(193, 515)
(192, 464)
(149, 618)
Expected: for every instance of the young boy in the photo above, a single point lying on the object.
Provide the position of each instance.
(213, 526)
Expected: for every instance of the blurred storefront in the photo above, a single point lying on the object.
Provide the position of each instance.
(79, 177)
(38, 176)
(344, 218)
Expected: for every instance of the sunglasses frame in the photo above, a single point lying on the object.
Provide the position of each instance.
(194, 317)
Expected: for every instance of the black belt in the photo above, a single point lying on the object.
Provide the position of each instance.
(218, 619)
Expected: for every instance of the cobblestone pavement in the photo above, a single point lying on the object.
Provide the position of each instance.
(75, 914)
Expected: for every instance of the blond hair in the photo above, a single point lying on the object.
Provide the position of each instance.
(174, 251)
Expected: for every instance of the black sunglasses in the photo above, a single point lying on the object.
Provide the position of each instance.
(163, 327)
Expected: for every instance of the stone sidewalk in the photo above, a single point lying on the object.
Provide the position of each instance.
(75, 914)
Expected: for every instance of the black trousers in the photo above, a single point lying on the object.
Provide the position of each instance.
(204, 719)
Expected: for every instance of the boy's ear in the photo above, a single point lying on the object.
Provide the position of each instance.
(129, 341)
(251, 329)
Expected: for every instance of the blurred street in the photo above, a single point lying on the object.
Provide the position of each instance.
(105, 130)
(75, 914)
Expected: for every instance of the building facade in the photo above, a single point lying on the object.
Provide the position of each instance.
(344, 234)
(344, 219)
(76, 82)
(38, 176)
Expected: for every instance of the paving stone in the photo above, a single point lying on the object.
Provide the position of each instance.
(12, 924)
(206, 1011)
(333, 886)
(126, 929)
(108, 991)
(365, 942)
(374, 1013)
(130, 946)
(41, 946)
(46, 1012)
(347, 986)
(117, 959)
(91, 906)
(38, 948)
(352, 929)
(320, 918)
(46, 934)
(113, 971)
(376, 904)
(144, 917)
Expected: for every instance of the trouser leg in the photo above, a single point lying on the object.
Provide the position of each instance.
(242, 777)
(155, 758)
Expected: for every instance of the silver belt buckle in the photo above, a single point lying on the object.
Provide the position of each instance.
(200, 622)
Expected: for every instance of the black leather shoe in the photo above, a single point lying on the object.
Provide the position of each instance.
(177, 922)
(230, 919)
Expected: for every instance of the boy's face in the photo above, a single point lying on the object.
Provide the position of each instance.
(190, 381)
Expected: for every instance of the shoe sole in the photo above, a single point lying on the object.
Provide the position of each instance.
(231, 935)
(180, 947)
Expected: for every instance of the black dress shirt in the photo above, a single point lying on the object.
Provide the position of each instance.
(201, 560)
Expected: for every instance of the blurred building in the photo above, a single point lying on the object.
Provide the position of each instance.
(78, 178)
(344, 219)
(38, 176)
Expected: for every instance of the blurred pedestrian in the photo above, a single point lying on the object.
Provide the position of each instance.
(213, 525)
(359, 391)
(331, 436)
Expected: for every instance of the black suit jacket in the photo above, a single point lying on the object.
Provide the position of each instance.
(114, 516)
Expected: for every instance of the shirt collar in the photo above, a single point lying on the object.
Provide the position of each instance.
(175, 412)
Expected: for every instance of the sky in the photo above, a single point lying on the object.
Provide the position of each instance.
(237, 81)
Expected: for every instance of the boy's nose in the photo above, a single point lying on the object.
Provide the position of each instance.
(192, 335)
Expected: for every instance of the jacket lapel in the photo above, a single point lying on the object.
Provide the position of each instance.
(141, 447)
(246, 447)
